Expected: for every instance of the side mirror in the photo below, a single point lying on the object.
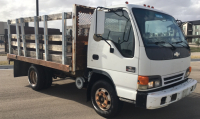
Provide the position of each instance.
(97, 37)
(99, 19)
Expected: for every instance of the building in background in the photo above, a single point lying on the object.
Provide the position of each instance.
(3, 26)
(191, 30)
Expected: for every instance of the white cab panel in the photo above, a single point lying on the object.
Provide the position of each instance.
(115, 64)
(161, 67)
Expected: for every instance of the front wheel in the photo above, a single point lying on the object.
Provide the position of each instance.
(104, 99)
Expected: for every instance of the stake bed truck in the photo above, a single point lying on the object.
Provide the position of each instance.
(130, 53)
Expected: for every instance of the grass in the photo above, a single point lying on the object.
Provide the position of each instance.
(195, 49)
(195, 57)
(3, 54)
(6, 63)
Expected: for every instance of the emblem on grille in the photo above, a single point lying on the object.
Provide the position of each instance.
(177, 54)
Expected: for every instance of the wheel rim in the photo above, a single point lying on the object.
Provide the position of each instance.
(33, 78)
(102, 98)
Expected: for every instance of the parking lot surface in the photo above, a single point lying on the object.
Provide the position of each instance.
(64, 100)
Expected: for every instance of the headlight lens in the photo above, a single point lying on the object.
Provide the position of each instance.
(148, 82)
(188, 71)
(157, 83)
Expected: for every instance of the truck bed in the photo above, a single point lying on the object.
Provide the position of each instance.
(59, 50)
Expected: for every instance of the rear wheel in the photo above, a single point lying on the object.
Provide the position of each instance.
(104, 99)
(36, 77)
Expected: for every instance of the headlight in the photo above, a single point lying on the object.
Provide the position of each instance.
(148, 82)
(157, 83)
(188, 71)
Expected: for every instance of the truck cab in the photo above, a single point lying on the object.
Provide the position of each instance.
(143, 52)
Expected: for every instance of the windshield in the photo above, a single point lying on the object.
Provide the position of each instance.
(156, 27)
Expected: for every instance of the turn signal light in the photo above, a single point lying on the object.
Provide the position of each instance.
(187, 73)
(143, 80)
(190, 69)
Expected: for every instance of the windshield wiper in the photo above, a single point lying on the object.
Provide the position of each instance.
(187, 46)
(173, 47)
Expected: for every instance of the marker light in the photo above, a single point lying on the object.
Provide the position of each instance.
(152, 7)
(126, 2)
(143, 80)
(188, 71)
(145, 5)
(148, 6)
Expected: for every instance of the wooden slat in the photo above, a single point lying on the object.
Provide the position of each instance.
(26, 19)
(51, 37)
(57, 16)
(13, 21)
(29, 53)
(41, 46)
(49, 18)
(28, 45)
(57, 58)
(54, 47)
(52, 57)
(56, 38)
(32, 45)
(40, 62)
(29, 19)
(14, 36)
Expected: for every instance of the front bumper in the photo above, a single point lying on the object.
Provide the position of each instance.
(165, 97)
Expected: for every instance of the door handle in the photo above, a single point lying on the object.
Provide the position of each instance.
(95, 57)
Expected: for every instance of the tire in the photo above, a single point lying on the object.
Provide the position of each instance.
(48, 78)
(105, 100)
(36, 77)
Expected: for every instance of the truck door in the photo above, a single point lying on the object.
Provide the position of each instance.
(122, 65)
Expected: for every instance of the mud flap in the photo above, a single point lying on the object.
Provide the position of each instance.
(21, 68)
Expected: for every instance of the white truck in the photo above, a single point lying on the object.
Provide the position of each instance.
(130, 53)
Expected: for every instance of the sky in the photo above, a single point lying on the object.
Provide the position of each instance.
(185, 10)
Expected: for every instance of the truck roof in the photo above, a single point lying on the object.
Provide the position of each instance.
(130, 6)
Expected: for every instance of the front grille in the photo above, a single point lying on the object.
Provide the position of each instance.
(172, 79)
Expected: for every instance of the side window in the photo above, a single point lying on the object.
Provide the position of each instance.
(119, 30)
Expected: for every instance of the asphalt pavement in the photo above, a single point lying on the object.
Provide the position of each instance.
(64, 101)
(6, 66)
(195, 60)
